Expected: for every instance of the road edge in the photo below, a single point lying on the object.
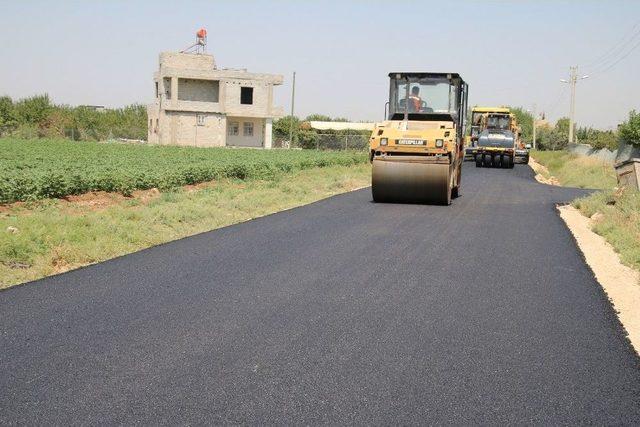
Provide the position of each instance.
(540, 171)
(620, 283)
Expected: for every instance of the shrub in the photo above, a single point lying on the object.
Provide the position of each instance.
(630, 130)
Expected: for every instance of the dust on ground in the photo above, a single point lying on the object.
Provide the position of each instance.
(621, 283)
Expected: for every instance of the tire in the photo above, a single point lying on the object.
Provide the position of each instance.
(478, 161)
(455, 192)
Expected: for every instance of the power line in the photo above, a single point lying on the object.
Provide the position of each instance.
(559, 98)
(620, 59)
(619, 47)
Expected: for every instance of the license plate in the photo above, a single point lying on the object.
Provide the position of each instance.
(411, 141)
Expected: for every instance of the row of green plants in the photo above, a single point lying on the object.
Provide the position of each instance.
(39, 117)
(49, 168)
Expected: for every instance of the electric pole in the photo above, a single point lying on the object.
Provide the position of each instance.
(293, 99)
(534, 126)
(573, 79)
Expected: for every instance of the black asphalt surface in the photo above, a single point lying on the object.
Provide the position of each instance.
(342, 311)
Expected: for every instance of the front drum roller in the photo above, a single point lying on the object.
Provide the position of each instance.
(411, 180)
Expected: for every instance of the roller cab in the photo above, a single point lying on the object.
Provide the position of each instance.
(417, 151)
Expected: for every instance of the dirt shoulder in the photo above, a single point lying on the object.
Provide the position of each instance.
(620, 282)
(542, 173)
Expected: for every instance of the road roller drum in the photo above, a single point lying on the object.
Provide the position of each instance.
(411, 180)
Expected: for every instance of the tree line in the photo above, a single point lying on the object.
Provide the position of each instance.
(38, 117)
(556, 137)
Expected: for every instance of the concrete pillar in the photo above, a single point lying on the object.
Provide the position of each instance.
(268, 132)
(174, 91)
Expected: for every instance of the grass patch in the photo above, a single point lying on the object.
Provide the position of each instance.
(615, 213)
(616, 217)
(50, 236)
(572, 170)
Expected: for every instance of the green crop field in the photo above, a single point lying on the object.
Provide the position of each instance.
(36, 169)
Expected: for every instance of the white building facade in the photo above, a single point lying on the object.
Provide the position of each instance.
(197, 104)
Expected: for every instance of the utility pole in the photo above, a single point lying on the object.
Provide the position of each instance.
(573, 79)
(293, 99)
(534, 126)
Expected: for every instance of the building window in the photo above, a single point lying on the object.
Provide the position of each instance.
(247, 129)
(157, 126)
(234, 129)
(246, 95)
(200, 119)
(157, 93)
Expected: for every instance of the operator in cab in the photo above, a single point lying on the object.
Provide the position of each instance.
(415, 102)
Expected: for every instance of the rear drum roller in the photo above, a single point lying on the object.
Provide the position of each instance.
(411, 180)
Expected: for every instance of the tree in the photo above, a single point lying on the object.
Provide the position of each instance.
(525, 121)
(8, 119)
(551, 138)
(562, 125)
(597, 139)
(629, 131)
(282, 126)
(318, 118)
(33, 110)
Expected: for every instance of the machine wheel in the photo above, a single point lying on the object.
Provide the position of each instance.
(486, 160)
(512, 163)
(455, 192)
(505, 161)
(478, 160)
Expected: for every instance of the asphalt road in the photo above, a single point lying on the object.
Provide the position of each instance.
(343, 311)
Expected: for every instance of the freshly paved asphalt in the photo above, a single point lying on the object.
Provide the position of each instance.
(343, 311)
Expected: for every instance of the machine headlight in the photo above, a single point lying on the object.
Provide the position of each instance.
(384, 141)
(439, 143)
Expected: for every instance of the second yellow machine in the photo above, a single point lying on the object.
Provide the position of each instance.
(417, 152)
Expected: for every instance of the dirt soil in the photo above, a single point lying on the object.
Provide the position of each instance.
(541, 171)
(621, 283)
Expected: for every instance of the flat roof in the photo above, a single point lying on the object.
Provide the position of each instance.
(426, 74)
(491, 109)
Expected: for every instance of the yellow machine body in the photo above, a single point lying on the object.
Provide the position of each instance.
(495, 138)
(417, 156)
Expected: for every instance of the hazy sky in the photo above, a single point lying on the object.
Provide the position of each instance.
(510, 52)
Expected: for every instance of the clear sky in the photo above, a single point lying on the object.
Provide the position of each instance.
(510, 52)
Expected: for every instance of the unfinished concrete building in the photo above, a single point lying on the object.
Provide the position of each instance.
(198, 104)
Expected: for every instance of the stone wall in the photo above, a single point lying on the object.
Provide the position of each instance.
(624, 152)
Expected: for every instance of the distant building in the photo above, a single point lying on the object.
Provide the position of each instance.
(93, 107)
(341, 125)
(199, 105)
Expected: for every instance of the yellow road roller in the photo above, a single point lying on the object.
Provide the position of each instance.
(417, 152)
